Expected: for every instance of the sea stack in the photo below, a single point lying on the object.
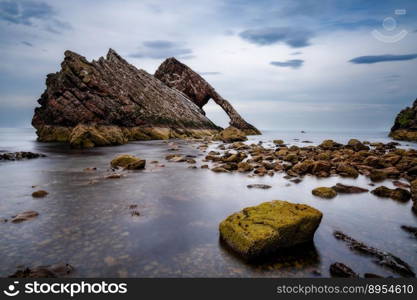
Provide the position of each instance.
(405, 125)
(109, 102)
(180, 77)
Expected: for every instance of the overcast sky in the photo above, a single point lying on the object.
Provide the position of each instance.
(337, 65)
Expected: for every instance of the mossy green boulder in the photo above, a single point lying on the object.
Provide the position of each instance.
(128, 161)
(259, 230)
(324, 192)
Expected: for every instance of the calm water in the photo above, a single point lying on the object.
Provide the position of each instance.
(90, 226)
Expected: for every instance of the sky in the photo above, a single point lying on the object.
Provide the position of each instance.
(289, 64)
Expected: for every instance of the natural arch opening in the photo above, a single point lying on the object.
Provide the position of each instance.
(216, 114)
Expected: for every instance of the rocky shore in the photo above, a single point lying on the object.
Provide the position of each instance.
(405, 125)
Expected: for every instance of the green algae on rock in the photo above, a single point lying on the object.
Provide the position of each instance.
(231, 134)
(324, 192)
(405, 125)
(129, 162)
(263, 229)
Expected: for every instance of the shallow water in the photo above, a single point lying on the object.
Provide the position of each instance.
(90, 226)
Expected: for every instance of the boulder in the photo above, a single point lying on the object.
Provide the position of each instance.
(230, 135)
(259, 230)
(244, 167)
(324, 192)
(20, 155)
(39, 194)
(341, 270)
(398, 194)
(24, 216)
(345, 170)
(258, 186)
(129, 162)
(405, 125)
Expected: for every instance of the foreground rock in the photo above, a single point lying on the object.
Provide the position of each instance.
(20, 155)
(24, 216)
(39, 194)
(230, 135)
(405, 125)
(385, 259)
(109, 102)
(410, 229)
(180, 77)
(262, 229)
(348, 189)
(324, 192)
(128, 162)
(50, 271)
(258, 186)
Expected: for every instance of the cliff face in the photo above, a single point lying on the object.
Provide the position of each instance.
(110, 101)
(405, 125)
(179, 76)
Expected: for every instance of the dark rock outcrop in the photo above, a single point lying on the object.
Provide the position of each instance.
(405, 125)
(20, 155)
(180, 77)
(111, 102)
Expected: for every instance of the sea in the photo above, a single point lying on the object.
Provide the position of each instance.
(88, 222)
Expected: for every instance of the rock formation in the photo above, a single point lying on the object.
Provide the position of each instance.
(109, 102)
(180, 77)
(405, 125)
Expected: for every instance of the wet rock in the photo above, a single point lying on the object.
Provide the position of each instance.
(329, 145)
(129, 162)
(345, 170)
(405, 124)
(191, 161)
(204, 167)
(24, 216)
(296, 180)
(377, 175)
(236, 158)
(348, 189)
(385, 259)
(229, 166)
(258, 186)
(398, 194)
(259, 230)
(20, 155)
(219, 170)
(324, 192)
(244, 167)
(372, 275)
(230, 135)
(114, 176)
(401, 184)
(321, 168)
(39, 194)
(50, 271)
(410, 229)
(341, 270)
(356, 145)
(278, 142)
(90, 169)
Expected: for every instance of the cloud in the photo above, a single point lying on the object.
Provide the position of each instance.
(372, 59)
(158, 49)
(24, 12)
(292, 63)
(295, 38)
(27, 43)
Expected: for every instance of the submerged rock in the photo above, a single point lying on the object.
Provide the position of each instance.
(109, 102)
(348, 189)
(230, 135)
(20, 155)
(383, 258)
(39, 194)
(24, 216)
(341, 270)
(262, 229)
(129, 162)
(324, 192)
(50, 271)
(258, 186)
(410, 229)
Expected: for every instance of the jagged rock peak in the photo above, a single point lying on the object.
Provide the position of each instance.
(405, 125)
(179, 76)
(111, 92)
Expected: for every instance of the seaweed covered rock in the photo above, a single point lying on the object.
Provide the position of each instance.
(231, 134)
(260, 230)
(398, 194)
(405, 125)
(129, 162)
(324, 192)
(109, 102)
